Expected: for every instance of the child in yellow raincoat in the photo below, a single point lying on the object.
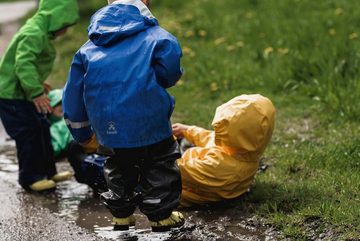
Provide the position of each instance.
(223, 163)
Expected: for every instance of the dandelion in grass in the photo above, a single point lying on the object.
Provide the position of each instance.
(332, 31)
(214, 87)
(353, 36)
(339, 11)
(240, 44)
(202, 33)
(231, 48)
(220, 41)
(268, 51)
(189, 33)
(188, 51)
(283, 51)
(180, 82)
(249, 15)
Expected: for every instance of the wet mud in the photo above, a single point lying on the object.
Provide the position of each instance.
(75, 205)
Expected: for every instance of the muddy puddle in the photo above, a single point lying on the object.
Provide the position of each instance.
(76, 204)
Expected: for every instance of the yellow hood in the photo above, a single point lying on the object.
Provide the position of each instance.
(244, 124)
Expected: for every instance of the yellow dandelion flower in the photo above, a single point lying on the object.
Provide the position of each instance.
(231, 48)
(180, 82)
(214, 87)
(332, 31)
(268, 51)
(186, 50)
(249, 14)
(220, 41)
(283, 51)
(189, 33)
(240, 44)
(353, 36)
(339, 11)
(202, 33)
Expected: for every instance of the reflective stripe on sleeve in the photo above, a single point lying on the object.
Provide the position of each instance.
(77, 125)
(152, 201)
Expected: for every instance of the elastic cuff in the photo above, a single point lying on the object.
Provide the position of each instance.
(35, 96)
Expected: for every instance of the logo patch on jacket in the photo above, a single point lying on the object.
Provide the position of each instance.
(111, 129)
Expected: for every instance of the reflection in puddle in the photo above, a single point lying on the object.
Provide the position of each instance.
(132, 234)
(75, 203)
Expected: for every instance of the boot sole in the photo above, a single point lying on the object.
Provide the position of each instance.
(121, 227)
(166, 228)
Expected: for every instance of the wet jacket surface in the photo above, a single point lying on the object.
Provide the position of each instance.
(224, 162)
(60, 136)
(118, 79)
(29, 57)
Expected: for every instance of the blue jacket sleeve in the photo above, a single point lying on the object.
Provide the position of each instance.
(167, 62)
(73, 102)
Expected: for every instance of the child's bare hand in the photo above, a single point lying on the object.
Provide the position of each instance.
(179, 129)
(42, 104)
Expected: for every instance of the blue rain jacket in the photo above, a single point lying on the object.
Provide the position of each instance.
(117, 82)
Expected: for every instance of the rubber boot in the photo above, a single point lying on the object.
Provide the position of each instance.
(175, 220)
(62, 176)
(123, 223)
(42, 185)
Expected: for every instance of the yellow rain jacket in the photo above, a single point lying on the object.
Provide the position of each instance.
(224, 162)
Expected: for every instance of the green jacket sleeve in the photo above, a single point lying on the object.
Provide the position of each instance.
(28, 50)
(60, 137)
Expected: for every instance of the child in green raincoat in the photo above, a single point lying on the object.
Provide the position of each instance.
(24, 104)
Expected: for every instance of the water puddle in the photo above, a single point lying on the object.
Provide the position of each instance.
(76, 203)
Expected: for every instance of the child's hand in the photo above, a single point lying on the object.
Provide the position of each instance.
(179, 129)
(42, 104)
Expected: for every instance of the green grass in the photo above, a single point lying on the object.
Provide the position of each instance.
(10, 1)
(302, 54)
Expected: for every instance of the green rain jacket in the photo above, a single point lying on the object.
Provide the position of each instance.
(30, 55)
(60, 134)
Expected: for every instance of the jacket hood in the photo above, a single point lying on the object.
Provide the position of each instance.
(118, 21)
(245, 124)
(55, 97)
(61, 13)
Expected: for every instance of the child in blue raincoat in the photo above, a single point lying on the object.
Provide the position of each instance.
(116, 96)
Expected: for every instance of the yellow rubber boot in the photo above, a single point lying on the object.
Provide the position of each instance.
(42, 185)
(175, 220)
(123, 223)
(62, 176)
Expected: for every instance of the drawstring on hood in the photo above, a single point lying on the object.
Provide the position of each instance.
(119, 20)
